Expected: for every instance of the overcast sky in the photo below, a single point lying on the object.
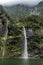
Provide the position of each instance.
(29, 2)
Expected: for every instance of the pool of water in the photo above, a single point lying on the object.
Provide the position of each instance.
(17, 61)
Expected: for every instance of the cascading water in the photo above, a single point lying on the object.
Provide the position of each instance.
(4, 40)
(25, 54)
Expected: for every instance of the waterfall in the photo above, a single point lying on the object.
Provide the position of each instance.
(25, 54)
(4, 40)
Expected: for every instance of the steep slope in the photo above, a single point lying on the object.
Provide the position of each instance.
(40, 4)
(18, 11)
(40, 7)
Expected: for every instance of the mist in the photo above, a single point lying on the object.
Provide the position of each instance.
(13, 2)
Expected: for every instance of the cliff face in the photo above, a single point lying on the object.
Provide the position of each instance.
(14, 43)
(20, 10)
(40, 4)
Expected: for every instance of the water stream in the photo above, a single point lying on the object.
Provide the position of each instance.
(4, 40)
(25, 54)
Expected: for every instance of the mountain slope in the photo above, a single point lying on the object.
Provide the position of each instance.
(40, 7)
(40, 4)
(18, 11)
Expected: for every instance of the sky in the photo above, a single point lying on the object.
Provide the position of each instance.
(10, 2)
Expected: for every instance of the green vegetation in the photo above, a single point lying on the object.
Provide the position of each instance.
(17, 18)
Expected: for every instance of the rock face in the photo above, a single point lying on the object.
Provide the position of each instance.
(14, 47)
(34, 30)
(35, 47)
(15, 38)
(1, 22)
(14, 42)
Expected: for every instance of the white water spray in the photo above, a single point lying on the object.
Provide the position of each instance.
(25, 54)
(4, 39)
